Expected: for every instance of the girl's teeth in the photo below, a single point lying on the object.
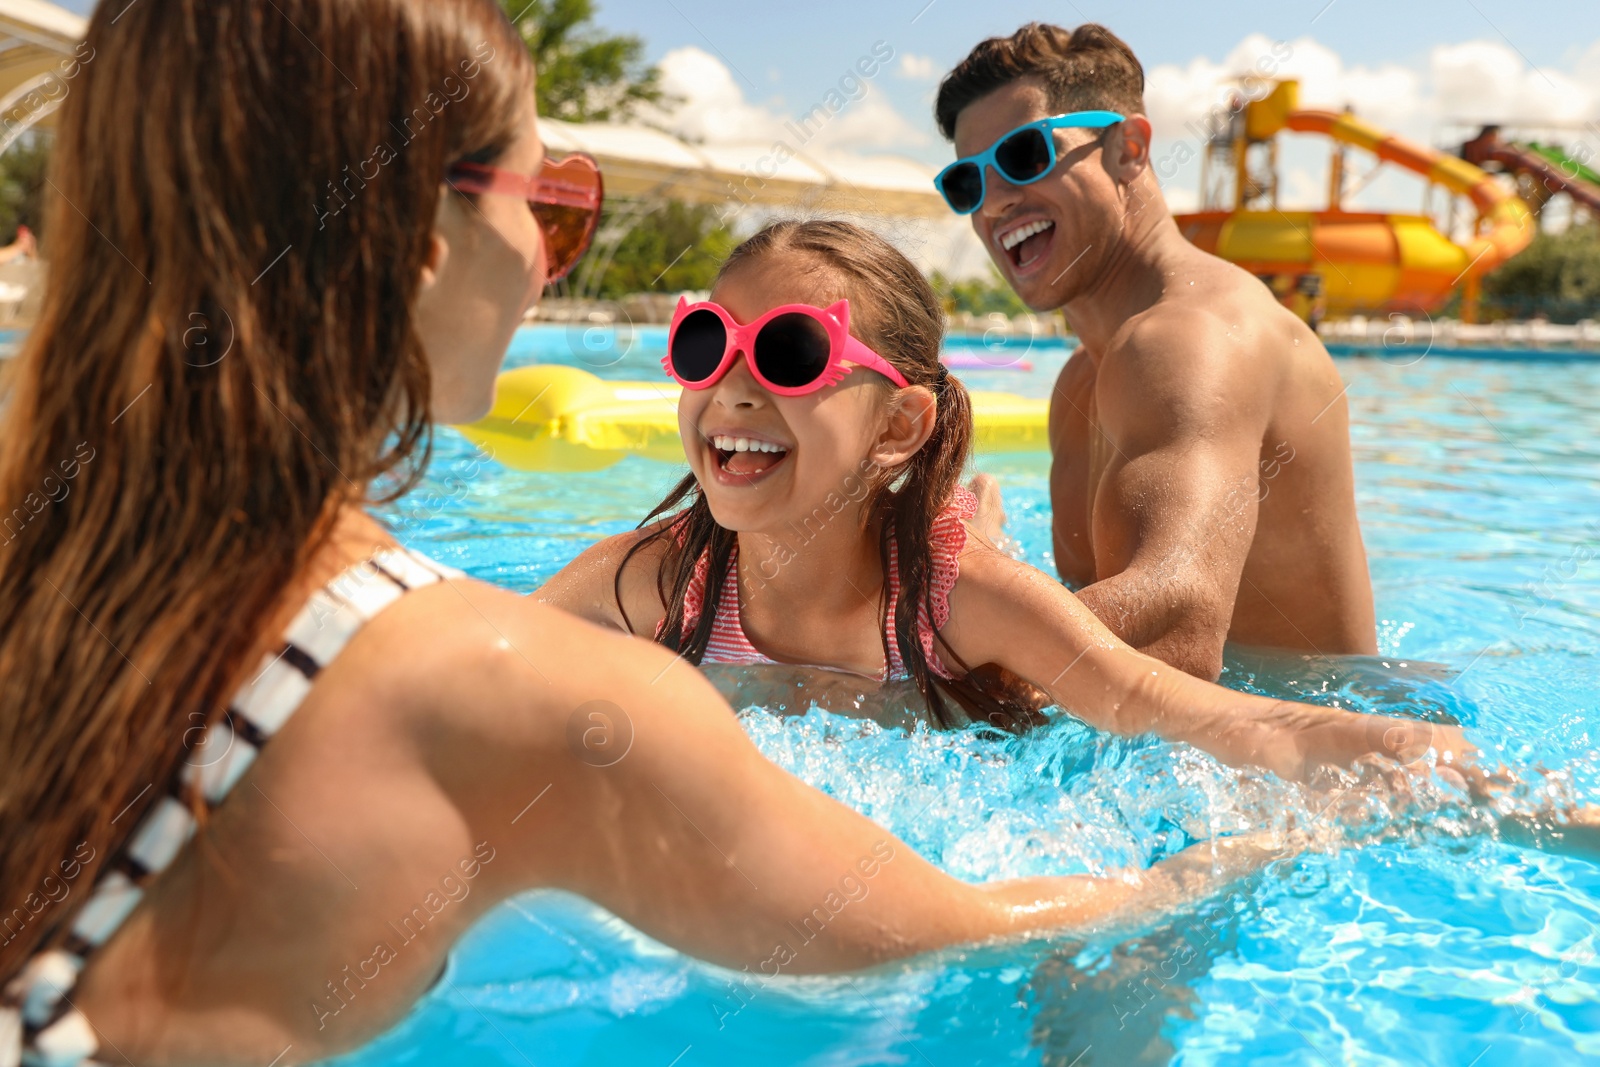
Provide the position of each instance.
(743, 444)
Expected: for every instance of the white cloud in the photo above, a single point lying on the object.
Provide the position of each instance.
(1302, 190)
(1486, 81)
(1588, 68)
(917, 68)
(1178, 98)
(1475, 80)
(1180, 198)
(711, 104)
(1387, 95)
(870, 123)
(712, 108)
(1440, 102)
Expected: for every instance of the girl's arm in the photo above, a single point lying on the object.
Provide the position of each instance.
(674, 820)
(587, 587)
(1008, 613)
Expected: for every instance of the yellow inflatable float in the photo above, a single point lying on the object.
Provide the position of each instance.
(557, 418)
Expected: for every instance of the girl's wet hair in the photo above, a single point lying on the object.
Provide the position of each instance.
(894, 311)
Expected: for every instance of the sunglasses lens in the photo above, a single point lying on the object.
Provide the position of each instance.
(698, 345)
(963, 187)
(1023, 156)
(792, 350)
(566, 231)
(568, 210)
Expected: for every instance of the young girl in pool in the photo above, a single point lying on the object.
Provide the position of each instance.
(823, 522)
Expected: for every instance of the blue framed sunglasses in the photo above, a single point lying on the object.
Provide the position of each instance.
(1022, 156)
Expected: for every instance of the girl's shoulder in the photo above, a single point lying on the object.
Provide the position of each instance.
(983, 565)
(626, 566)
(990, 580)
(649, 543)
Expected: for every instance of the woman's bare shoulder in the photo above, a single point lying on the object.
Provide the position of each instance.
(471, 660)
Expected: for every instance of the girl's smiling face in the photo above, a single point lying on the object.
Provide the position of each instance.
(798, 451)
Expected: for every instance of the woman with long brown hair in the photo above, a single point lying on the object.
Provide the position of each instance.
(259, 767)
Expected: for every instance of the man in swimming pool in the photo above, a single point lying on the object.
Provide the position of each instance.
(1201, 483)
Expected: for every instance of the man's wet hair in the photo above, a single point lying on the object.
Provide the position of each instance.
(1086, 69)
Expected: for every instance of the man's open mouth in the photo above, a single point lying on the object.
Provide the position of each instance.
(746, 457)
(1027, 244)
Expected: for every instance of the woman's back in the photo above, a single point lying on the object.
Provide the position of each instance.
(449, 757)
(426, 775)
(221, 367)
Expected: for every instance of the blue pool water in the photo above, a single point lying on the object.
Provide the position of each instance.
(1412, 936)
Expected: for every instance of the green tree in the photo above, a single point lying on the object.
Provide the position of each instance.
(585, 74)
(978, 296)
(677, 246)
(1557, 276)
(22, 171)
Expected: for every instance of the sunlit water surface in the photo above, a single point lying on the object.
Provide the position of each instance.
(1412, 936)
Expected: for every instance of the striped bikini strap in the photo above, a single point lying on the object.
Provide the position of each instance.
(38, 1022)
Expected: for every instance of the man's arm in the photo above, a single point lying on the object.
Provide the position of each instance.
(1183, 407)
(1008, 613)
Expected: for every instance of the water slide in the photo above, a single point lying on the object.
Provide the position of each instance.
(1367, 261)
(1549, 166)
(1569, 165)
(1504, 224)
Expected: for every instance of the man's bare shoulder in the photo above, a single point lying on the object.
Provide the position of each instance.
(1268, 340)
(1215, 337)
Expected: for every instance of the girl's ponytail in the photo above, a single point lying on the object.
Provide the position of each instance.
(925, 486)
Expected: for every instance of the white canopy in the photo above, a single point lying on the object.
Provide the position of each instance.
(48, 20)
(35, 37)
(640, 161)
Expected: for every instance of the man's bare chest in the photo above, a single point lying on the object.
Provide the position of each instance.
(1080, 458)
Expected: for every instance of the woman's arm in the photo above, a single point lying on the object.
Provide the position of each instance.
(606, 767)
(1008, 613)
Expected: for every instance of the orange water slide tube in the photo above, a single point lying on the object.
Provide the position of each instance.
(1368, 261)
(1505, 224)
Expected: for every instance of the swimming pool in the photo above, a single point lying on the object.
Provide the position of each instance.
(1431, 943)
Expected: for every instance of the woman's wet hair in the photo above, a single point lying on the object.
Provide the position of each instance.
(895, 312)
(241, 206)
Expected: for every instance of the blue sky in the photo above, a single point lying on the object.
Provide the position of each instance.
(783, 57)
(1428, 70)
(792, 52)
(788, 49)
(1431, 70)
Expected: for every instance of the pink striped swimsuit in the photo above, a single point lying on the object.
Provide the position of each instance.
(728, 643)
